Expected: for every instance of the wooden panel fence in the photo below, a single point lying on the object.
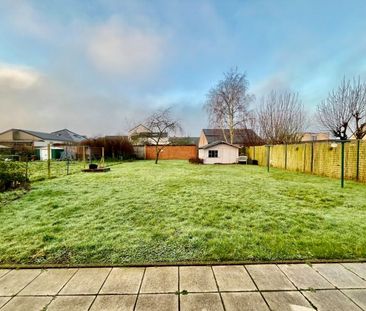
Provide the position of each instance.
(318, 158)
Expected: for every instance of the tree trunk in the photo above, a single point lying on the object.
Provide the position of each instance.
(157, 152)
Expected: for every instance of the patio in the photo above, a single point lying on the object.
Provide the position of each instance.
(282, 287)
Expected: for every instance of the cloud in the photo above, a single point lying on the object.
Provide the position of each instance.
(25, 18)
(18, 77)
(116, 48)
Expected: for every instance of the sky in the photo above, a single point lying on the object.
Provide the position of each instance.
(98, 67)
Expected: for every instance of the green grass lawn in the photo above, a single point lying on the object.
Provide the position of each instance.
(175, 211)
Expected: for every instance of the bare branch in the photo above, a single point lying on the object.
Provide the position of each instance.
(281, 117)
(161, 124)
(344, 110)
(228, 103)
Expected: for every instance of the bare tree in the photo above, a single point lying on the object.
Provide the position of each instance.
(358, 108)
(161, 124)
(281, 118)
(344, 110)
(228, 103)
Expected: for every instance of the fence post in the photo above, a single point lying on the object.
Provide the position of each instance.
(268, 156)
(342, 164)
(84, 156)
(49, 160)
(358, 161)
(285, 156)
(102, 159)
(312, 158)
(304, 158)
(26, 167)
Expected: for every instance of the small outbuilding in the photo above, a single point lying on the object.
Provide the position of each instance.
(219, 152)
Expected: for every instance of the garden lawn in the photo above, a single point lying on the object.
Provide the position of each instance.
(175, 211)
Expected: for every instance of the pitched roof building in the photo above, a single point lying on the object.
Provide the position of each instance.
(36, 139)
(242, 137)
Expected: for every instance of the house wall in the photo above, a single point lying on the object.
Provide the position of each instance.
(6, 136)
(226, 154)
(172, 152)
(15, 135)
(315, 136)
(203, 140)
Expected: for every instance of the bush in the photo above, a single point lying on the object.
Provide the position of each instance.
(195, 161)
(115, 147)
(12, 176)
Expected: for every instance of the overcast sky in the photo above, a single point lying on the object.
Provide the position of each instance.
(99, 66)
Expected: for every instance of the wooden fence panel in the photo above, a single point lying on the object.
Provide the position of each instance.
(320, 158)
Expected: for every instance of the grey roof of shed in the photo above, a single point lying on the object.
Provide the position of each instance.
(241, 136)
(215, 143)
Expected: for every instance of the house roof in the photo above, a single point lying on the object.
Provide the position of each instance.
(68, 135)
(241, 136)
(137, 126)
(184, 140)
(43, 136)
(215, 143)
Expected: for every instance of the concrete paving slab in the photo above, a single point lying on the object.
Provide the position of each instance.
(358, 296)
(158, 302)
(27, 304)
(16, 280)
(269, 277)
(340, 276)
(87, 281)
(330, 300)
(357, 267)
(114, 303)
(123, 281)
(197, 279)
(49, 282)
(74, 303)
(4, 300)
(233, 278)
(160, 280)
(4, 271)
(206, 301)
(244, 301)
(287, 301)
(305, 277)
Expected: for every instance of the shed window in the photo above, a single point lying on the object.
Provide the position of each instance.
(213, 153)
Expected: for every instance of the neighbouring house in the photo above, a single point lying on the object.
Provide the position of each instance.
(183, 141)
(218, 152)
(315, 136)
(39, 141)
(242, 137)
(69, 135)
(141, 135)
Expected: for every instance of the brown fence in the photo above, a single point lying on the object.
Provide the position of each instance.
(172, 152)
(319, 158)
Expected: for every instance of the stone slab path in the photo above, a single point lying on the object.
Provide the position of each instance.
(293, 287)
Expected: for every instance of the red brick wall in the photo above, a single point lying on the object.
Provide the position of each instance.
(172, 152)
